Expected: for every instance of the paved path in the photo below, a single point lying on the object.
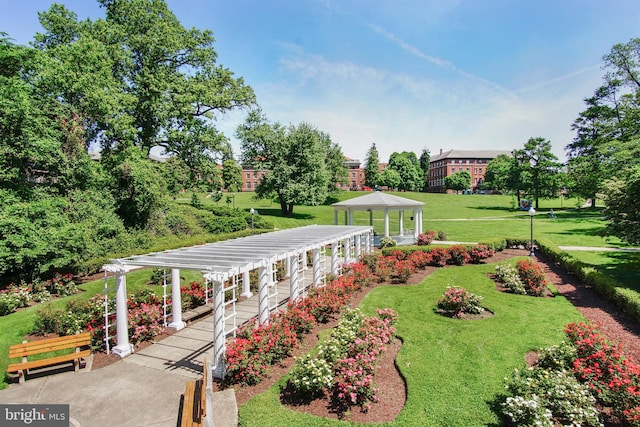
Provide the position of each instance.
(144, 389)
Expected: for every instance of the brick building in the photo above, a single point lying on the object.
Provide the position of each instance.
(355, 181)
(452, 161)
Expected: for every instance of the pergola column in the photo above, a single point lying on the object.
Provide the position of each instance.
(346, 244)
(246, 285)
(294, 285)
(334, 258)
(263, 294)
(176, 301)
(123, 347)
(317, 273)
(219, 346)
(358, 246)
(401, 222)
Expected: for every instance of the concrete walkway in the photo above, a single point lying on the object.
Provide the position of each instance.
(143, 389)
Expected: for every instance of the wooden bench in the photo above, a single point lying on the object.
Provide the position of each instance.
(80, 342)
(194, 402)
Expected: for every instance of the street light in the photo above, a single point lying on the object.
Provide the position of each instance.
(532, 212)
(253, 211)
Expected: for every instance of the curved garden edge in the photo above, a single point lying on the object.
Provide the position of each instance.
(588, 302)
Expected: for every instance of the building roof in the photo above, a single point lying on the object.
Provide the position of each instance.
(377, 200)
(468, 154)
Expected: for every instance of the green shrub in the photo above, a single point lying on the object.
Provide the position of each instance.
(9, 302)
(310, 375)
(387, 242)
(508, 276)
(457, 301)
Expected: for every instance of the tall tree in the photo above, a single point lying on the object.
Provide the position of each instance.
(540, 170)
(372, 167)
(425, 158)
(293, 158)
(231, 175)
(167, 88)
(406, 164)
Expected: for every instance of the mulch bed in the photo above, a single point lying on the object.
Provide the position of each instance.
(593, 307)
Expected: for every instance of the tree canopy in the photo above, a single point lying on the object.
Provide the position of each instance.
(299, 161)
(458, 181)
(372, 167)
(407, 166)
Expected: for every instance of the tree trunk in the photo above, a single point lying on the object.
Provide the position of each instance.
(283, 205)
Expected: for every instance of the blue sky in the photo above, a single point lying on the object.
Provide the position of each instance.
(404, 74)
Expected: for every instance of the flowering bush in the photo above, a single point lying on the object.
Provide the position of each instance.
(479, 252)
(311, 375)
(601, 364)
(9, 302)
(360, 273)
(387, 242)
(193, 295)
(458, 255)
(532, 276)
(384, 268)
(558, 357)
(421, 259)
(457, 301)
(62, 285)
(425, 238)
(439, 257)
(558, 396)
(403, 269)
(145, 322)
(509, 277)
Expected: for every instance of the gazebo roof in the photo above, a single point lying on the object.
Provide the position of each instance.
(237, 255)
(377, 200)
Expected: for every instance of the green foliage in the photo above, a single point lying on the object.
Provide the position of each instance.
(372, 167)
(539, 169)
(407, 166)
(310, 375)
(296, 159)
(458, 181)
(621, 198)
(387, 242)
(457, 301)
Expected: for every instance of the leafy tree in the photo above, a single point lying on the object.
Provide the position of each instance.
(540, 171)
(166, 87)
(294, 159)
(425, 158)
(406, 164)
(231, 175)
(621, 198)
(390, 178)
(372, 167)
(458, 181)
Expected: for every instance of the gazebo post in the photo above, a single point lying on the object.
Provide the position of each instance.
(350, 217)
(401, 223)
(346, 245)
(123, 347)
(176, 302)
(386, 222)
(335, 217)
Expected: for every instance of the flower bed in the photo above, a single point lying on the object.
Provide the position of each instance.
(456, 302)
(584, 381)
(527, 277)
(345, 364)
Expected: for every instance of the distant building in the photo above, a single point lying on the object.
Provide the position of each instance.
(452, 161)
(251, 178)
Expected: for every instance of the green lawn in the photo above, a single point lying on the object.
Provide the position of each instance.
(454, 369)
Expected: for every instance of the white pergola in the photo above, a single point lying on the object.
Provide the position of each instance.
(379, 201)
(225, 261)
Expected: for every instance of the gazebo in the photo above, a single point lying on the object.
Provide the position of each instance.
(379, 201)
(225, 267)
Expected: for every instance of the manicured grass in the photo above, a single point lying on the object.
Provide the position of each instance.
(622, 266)
(454, 368)
(15, 326)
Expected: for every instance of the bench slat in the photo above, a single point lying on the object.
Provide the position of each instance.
(187, 404)
(52, 344)
(15, 367)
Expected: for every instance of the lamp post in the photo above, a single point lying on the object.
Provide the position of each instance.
(532, 212)
(253, 211)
